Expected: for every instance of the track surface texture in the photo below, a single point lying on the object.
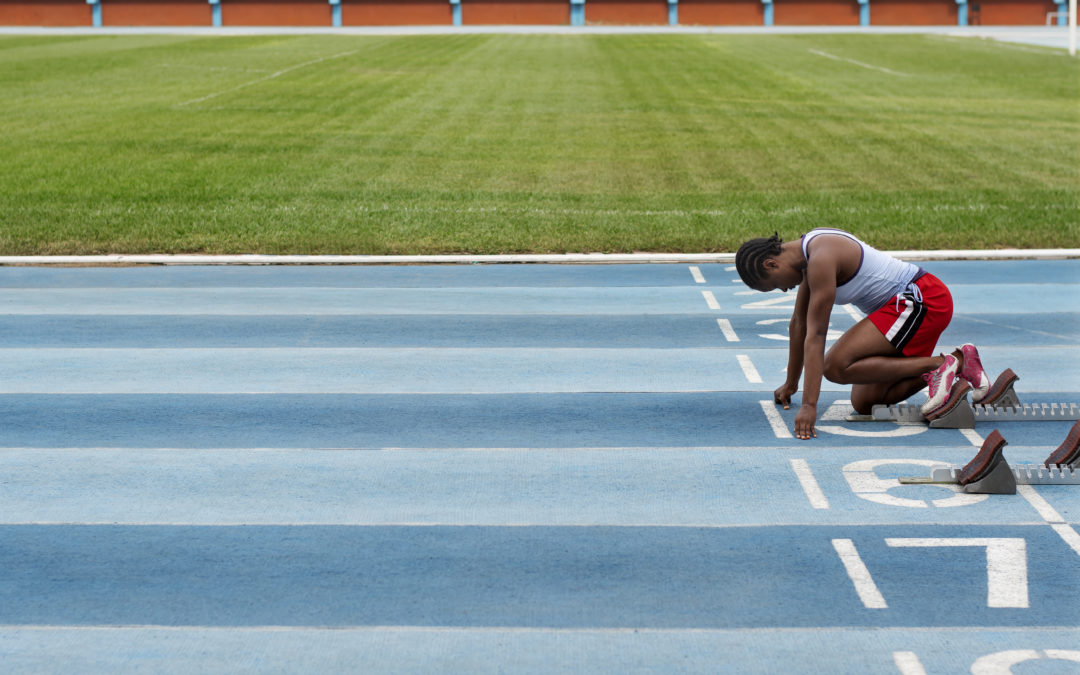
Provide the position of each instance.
(520, 468)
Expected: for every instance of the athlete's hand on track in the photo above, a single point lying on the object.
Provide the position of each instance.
(804, 421)
(782, 396)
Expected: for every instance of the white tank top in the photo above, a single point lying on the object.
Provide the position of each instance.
(880, 277)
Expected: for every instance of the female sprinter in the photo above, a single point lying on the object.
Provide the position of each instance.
(886, 357)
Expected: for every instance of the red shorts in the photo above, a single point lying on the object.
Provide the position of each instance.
(913, 322)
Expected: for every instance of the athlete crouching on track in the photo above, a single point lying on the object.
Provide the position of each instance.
(886, 357)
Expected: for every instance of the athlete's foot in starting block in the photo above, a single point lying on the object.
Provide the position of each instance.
(1068, 453)
(956, 397)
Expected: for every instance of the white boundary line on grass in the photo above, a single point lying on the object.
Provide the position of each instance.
(466, 259)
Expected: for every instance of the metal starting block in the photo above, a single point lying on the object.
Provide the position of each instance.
(989, 473)
(1001, 404)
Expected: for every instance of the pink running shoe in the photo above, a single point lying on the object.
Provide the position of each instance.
(973, 372)
(940, 382)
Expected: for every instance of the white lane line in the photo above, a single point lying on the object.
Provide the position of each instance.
(857, 63)
(748, 369)
(860, 576)
(908, 663)
(809, 484)
(777, 423)
(998, 324)
(710, 300)
(854, 313)
(1069, 535)
(727, 330)
(973, 437)
(267, 77)
(696, 273)
(1048, 513)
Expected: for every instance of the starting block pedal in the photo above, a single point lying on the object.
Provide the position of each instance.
(989, 473)
(1001, 404)
(1002, 393)
(1068, 453)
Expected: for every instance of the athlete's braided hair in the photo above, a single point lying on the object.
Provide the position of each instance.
(750, 259)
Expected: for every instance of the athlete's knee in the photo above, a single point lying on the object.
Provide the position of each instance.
(836, 369)
(863, 405)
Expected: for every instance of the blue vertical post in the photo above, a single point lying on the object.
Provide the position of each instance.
(673, 12)
(335, 13)
(768, 12)
(961, 12)
(1062, 13)
(455, 9)
(215, 13)
(864, 12)
(95, 11)
(577, 12)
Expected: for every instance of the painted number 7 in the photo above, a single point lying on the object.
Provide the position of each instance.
(1006, 568)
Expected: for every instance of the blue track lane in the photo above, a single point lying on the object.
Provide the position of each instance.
(530, 577)
(519, 468)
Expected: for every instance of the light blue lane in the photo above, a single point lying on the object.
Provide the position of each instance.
(446, 371)
(449, 421)
(711, 487)
(428, 371)
(360, 276)
(495, 650)
(352, 301)
(972, 300)
(624, 331)
(1004, 272)
(555, 577)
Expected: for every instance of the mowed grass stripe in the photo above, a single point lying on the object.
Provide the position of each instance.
(546, 143)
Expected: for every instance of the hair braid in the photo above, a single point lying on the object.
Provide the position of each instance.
(750, 259)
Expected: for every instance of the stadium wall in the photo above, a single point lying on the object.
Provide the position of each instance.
(521, 12)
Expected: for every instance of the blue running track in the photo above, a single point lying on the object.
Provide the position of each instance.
(521, 468)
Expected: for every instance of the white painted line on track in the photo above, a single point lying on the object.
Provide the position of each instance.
(727, 330)
(1048, 513)
(998, 324)
(696, 273)
(710, 300)
(853, 312)
(809, 484)
(779, 428)
(908, 663)
(480, 630)
(860, 576)
(1069, 535)
(973, 437)
(560, 258)
(439, 524)
(751, 373)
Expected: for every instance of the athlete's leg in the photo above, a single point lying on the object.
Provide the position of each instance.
(878, 372)
(863, 356)
(865, 396)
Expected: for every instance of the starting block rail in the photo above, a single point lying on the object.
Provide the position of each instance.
(1023, 474)
(965, 416)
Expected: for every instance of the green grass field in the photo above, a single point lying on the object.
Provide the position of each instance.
(501, 143)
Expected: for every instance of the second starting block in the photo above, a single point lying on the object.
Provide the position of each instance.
(989, 473)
